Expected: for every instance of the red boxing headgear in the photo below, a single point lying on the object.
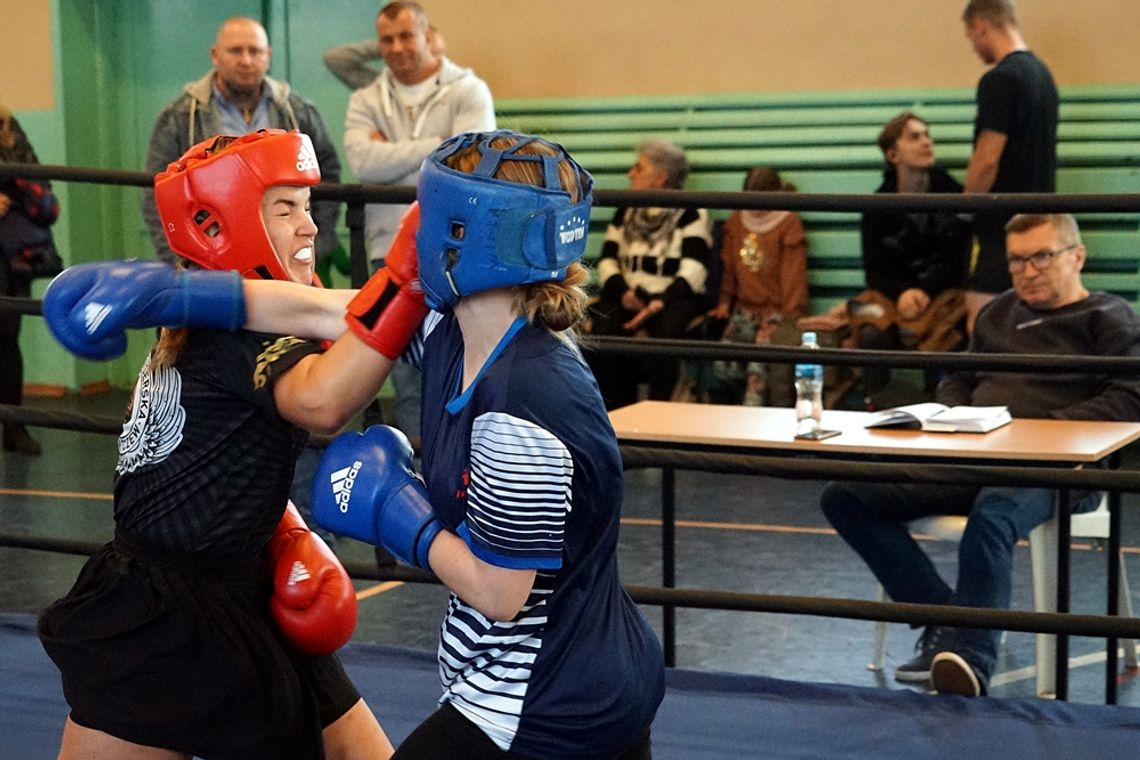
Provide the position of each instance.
(209, 200)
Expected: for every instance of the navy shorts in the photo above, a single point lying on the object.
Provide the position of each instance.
(448, 735)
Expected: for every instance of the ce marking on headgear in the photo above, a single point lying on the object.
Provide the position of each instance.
(472, 200)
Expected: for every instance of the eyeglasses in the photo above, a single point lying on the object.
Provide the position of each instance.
(1041, 260)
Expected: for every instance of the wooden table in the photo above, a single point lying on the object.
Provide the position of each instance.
(741, 429)
(770, 432)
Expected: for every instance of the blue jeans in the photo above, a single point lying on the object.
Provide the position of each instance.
(872, 518)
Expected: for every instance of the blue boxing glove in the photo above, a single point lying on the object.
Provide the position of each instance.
(365, 488)
(89, 307)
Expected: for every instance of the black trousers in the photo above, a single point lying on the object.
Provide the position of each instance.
(11, 361)
(447, 735)
(618, 376)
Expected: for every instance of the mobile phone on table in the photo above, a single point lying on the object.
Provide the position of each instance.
(817, 435)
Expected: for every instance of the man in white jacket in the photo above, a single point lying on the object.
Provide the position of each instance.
(418, 99)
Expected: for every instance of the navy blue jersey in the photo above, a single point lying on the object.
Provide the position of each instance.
(523, 465)
(205, 460)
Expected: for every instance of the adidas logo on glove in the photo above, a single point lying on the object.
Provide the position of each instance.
(306, 158)
(342, 482)
(298, 573)
(93, 316)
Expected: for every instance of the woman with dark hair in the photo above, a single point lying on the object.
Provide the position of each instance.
(915, 261)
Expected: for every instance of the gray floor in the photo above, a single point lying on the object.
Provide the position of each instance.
(737, 533)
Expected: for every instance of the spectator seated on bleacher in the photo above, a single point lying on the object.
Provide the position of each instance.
(763, 291)
(652, 271)
(825, 143)
(915, 262)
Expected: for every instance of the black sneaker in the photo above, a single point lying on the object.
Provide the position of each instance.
(951, 674)
(16, 438)
(917, 670)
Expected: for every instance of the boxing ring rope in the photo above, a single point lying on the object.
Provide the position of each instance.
(685, 349)
(1100, 626)
(1096, 626)
(777, 201)
(744, 352)
(21, 305)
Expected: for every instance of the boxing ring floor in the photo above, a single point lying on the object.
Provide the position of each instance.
(748, 685)
(704, 715)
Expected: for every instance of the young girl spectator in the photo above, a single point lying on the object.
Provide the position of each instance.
(763, 291)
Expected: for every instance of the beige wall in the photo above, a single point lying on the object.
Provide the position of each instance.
(540, 48)
(25, 39)
(549, 48)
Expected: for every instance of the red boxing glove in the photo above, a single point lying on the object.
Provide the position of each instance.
(313, 602)
(388, 310)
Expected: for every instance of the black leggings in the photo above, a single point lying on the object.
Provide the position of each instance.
(447, 735)
(618, 376)
(11, 361)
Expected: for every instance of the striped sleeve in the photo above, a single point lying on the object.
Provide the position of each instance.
(696, 245)
(518, 497)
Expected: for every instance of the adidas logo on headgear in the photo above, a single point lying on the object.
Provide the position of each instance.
(306, 158)
(342, 482)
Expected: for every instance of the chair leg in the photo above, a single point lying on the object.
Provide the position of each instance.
(1043, 548)
(876, 663)
(1043, 558)
(1124, 607)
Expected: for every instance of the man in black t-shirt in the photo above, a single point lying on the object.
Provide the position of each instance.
(1015, 136)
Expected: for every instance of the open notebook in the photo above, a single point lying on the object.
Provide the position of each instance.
(939, 418)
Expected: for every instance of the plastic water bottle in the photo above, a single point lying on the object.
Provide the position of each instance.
(809, 391)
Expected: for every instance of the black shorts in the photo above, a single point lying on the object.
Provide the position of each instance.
(448, 735)
(186, 658)
(990, 273)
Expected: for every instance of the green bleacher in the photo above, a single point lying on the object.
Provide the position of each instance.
(824, 142)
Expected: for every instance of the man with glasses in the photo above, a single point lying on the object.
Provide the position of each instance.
(1048, 311)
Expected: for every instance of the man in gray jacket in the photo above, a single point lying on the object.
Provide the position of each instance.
(418, 99)
(237, 97)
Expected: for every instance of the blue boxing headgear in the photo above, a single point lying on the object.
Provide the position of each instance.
(478, 232)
